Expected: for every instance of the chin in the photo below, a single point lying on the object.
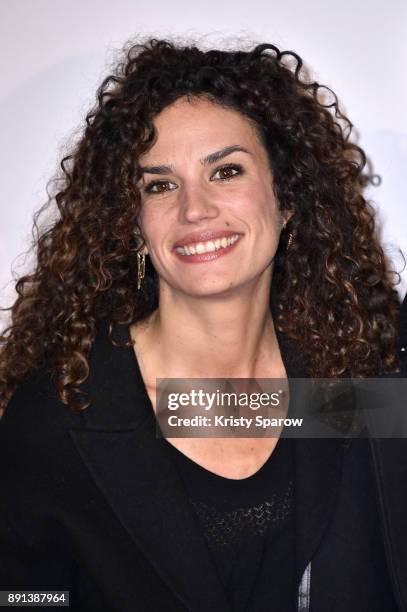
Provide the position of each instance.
(212, 289)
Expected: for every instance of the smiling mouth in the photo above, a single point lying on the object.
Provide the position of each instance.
(208, 246)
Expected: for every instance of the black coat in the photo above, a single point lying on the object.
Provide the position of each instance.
(93, 504)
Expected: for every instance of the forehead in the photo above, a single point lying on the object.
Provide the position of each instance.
(202, 125)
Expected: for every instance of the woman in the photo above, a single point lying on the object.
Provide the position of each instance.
(212, 224)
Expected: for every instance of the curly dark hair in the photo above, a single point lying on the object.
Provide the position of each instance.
(334, 290)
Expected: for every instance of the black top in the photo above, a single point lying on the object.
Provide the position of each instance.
(248, 526)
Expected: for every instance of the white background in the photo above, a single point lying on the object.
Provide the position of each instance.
(55, 53)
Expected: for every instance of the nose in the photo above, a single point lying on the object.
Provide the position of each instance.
(196, 204)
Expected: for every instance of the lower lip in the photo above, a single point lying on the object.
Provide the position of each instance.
(200, 257)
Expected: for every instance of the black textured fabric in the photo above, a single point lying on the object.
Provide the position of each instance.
(248, 527)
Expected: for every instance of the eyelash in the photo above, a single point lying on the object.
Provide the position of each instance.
(237, 167)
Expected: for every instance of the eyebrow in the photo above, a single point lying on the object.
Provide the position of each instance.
(209, 159)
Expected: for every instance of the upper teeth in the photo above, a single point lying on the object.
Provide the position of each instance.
(206, 247)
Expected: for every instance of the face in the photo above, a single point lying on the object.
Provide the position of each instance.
(209, 217)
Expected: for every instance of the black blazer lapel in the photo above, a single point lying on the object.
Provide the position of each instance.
(318, 465)
(133, 469)
(318, 470)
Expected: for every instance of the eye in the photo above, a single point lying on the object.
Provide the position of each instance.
(158, 187)
(227, 172)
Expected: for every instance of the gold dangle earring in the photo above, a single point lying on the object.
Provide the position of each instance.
(141, 268)
(290, 235)
(290, 240)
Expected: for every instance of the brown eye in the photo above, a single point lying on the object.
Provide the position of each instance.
(227, 172)
(157, 187)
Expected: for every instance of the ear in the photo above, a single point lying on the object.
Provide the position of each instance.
(144, 250)
(286, 215)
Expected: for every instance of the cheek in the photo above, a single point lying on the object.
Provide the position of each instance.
(150, 223)
(258, 203)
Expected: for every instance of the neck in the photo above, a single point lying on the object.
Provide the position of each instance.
(216, 336)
